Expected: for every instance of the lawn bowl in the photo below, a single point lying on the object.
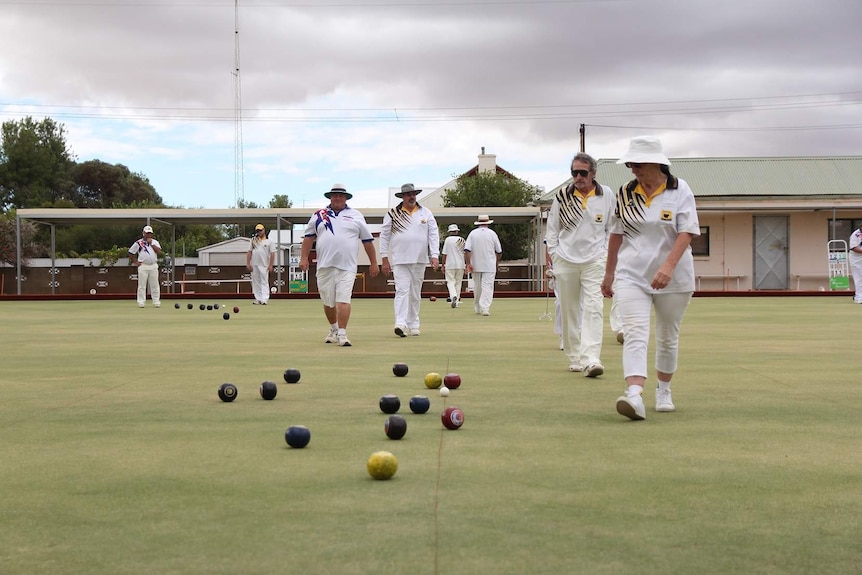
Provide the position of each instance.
(297, 436)
(433, 380)
(209, 307)
(382, 465)
(268, 390)
(227, 392)
(190, 306)
(390, 403)
(432, 298)
(400, 369)
(420, 404)
(203, 307)
(215, 306)
(225, 315)
(452, 380)
(236, 309)
(453, 418)
(395, 427)
(176, 306)
(292, 375)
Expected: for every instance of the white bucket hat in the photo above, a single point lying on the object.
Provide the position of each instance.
(453, 228)
(644, 150)
(483, 220)
(148, 230)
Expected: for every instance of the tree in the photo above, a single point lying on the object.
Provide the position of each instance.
(34, 164)
(102, 185)
(8, 241)
(493, 189)
(280, 201)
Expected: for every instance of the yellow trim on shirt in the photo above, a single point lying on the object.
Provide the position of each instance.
(648, 199)
(404, 208)
(583, 198)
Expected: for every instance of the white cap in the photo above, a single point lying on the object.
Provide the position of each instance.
(454, 228)
(148, 229)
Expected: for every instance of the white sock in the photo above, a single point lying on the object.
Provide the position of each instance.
(333, 326)
(342, 331)
(663, 385)
(634, 390)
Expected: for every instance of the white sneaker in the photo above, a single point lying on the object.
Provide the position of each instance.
(574, 367)
(343, 341)
(400, 331)
(631, 407)
(485, 312)
(332, 337)
(663, 401)
(594, 370)
(415, 331)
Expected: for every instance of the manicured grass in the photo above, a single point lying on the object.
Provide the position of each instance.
(118, 457)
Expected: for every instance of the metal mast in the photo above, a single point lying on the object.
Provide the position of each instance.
(238, 184)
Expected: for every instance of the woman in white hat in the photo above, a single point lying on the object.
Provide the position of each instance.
(650, 267)
(452, 261)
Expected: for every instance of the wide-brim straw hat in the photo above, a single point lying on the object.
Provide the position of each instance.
(483, 220)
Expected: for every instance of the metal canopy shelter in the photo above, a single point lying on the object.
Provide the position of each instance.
(277, 218)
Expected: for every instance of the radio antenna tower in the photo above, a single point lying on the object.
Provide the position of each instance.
(238, 184)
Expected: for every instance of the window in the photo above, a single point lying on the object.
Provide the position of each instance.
(841, 229)
(700, 244)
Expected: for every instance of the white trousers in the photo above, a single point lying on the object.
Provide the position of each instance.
(483, 290)
(580, 289)
(408, 293)
(635, 306)
(260, 283)
(454, 281)
(856, 270)
(148, 275)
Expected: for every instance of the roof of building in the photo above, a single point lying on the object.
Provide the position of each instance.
(799, 178)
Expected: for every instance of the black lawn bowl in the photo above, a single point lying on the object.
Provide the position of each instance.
(190, 306)
(268, 390)
(420, 404)
(292, 375)
(400, 369)
(297, 436)
(395, 427)
(215, 306)
(390, 403)
(176, 306)
(227, 392)
(209, 308)
(203, 307)
(225, 315)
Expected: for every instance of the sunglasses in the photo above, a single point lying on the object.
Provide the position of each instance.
(582, 173)
(633, 165)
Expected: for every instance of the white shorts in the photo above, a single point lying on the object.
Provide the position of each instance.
(335, 285)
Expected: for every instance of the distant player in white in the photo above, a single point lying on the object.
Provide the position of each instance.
(650, 267)
(144, 255)
(856, 262)
(336, 230)
(408, 237)
(259, 260)
(452, 261)
(576, 239)
(482, 252)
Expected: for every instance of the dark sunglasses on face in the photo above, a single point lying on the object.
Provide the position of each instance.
(633, 165)
(582, 173)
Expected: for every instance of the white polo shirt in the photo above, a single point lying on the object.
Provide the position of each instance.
(578, 226)
(649, 227)
(855, 242)
(453, 249)
(483, 245)
(146, 254)
(260, 250)
(409, 237)
(337, 235)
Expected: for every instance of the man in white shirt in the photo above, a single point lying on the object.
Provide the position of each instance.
(336, 230)
(856, 262)
(453, 264)
(259, 260)
(407, 237)
(482, 252)
(144, 255)
(576, 239)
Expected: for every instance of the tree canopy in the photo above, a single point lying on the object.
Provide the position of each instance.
(496, 189)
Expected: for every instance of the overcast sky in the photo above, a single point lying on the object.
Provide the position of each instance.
(376, 93)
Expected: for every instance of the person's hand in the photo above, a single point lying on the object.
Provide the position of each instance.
(608, 285)
(303, 265)
(386, 269)
(248, 267)
(374, 270)
(662, 276)
(435, 264)
(468, 269)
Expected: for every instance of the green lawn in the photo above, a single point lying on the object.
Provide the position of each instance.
(118, 457)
